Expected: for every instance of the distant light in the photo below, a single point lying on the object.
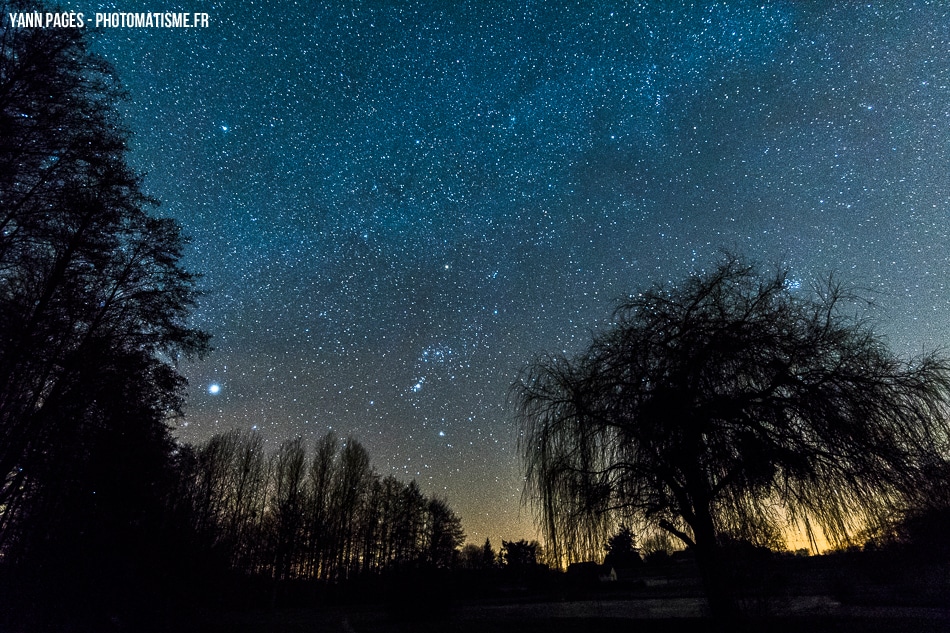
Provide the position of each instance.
(214, 389)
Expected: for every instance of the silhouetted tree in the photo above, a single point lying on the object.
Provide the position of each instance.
(318, 519)
(520, 555)
(246, 500)
(390, 512)
(621, 549)
(478, 557)
(725, 405)
(93, 311)
(287, 505)
(353, 479)
(922, 529)
(470, 557)
(443, 534)
(489, 558)
(409, 523)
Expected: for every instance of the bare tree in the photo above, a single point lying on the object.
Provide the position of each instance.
(215, 458)
(354, 476)
(321, 474)
(293, 515)
(390, 512)
(246, 497)
(731, 404)
(287, 505)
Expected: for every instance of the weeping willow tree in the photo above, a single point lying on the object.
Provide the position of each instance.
(732, 405)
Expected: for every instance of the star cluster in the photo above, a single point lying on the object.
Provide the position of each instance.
(396, 205)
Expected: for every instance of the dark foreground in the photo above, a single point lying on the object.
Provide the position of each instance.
(644, 616)
(866, 592)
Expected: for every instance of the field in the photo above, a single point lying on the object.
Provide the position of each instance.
(867, 593)
(816, 615)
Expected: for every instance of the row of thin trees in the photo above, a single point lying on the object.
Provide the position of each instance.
(299, 513)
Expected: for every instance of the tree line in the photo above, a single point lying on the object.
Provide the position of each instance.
(300, 513)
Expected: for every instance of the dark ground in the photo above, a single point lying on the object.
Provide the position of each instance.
(598, 616)
(871, 593)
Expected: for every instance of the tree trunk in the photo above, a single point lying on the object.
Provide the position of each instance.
(712, 568)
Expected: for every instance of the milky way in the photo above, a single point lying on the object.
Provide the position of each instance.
(396, 205)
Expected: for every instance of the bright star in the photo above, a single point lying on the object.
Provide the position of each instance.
(214, 389)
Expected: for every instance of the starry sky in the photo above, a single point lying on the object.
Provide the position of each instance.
(397, 204)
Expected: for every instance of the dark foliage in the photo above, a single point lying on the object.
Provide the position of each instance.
(924, 526)
(93, 309)
(621, 550)
(520, 554)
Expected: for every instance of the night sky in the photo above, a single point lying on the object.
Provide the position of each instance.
(396, 205)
